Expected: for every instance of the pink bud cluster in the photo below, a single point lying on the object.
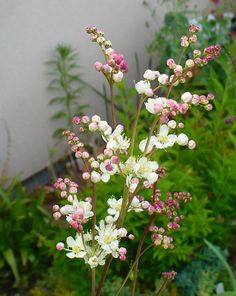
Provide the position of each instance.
(169, 207)
(74, 213)
(171, 108)
(76, 145)
(122, 253)
(66, 186)
(160, 239)
(192, 38)
(170, 275)
(115, 64)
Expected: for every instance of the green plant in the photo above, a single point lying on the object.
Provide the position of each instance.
(25, 229)
(215, 28)
(66, 83)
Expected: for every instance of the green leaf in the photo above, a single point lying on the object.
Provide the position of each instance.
(224, 263)
(58, 133)
(56, 100)
(59, 115)
(11, 260)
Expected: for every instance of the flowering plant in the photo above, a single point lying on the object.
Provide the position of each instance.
(98, 243)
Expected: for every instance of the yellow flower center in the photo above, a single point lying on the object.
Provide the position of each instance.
(162, 139)
(76, 249)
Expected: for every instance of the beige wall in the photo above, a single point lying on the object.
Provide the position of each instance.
(29, 31)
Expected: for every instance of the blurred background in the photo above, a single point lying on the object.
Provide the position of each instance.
(47, 76)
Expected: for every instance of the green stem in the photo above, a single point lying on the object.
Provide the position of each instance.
(134, 131)
(162, 287)
(103, 276)
(141, 241)
(140, 245)
(131, 268)
(113, 114)
(93, 282)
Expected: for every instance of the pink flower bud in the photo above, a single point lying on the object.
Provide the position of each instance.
(76, 120)
(131, 237)
(85, 119)
(149, 92)
(122, 232)
(163, 79)
(85, 154)
(85, 175)
(98, 66)
(73, 190)
(55, 208)
(122, 257)
(122, 251)
(56, 215)
(93, 126)
(59, 246)
(115, 159)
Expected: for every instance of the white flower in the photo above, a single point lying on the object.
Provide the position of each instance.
(84, 205)
(156, 105)
(135, 205)
(115, 207)
(118, 76)
(151, 145)
(163, 139)
(146, 169)
(107, 238)
(104, 127)
(95, 256)
(108, 170)
(76, 247)
(182, 139)
(142, 86)
(116, 141)
(150, 75)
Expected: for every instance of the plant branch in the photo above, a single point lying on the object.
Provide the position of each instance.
(131, 268)
(162, 287)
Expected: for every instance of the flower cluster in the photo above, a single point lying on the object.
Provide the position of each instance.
(169, 207)
(107, 236)
(115, 64)
(138, 168)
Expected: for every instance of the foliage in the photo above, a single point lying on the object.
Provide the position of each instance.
(66, 82)
(27, 236)
(215, 28)
(201, 275)
(224, 263)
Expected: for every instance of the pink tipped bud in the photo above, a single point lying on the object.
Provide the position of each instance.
(85, 154)
(57, 215)
(59, 246)
(85, 175)
(98, 66)
(73, 190)
(115, 159)
(131, 237)
(122, 251)
(122, 257)
(122, 232)
(191, 144)
(76, 120)
(55, 208)
(85, 119)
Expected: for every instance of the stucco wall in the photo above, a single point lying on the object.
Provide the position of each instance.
(29, 31)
